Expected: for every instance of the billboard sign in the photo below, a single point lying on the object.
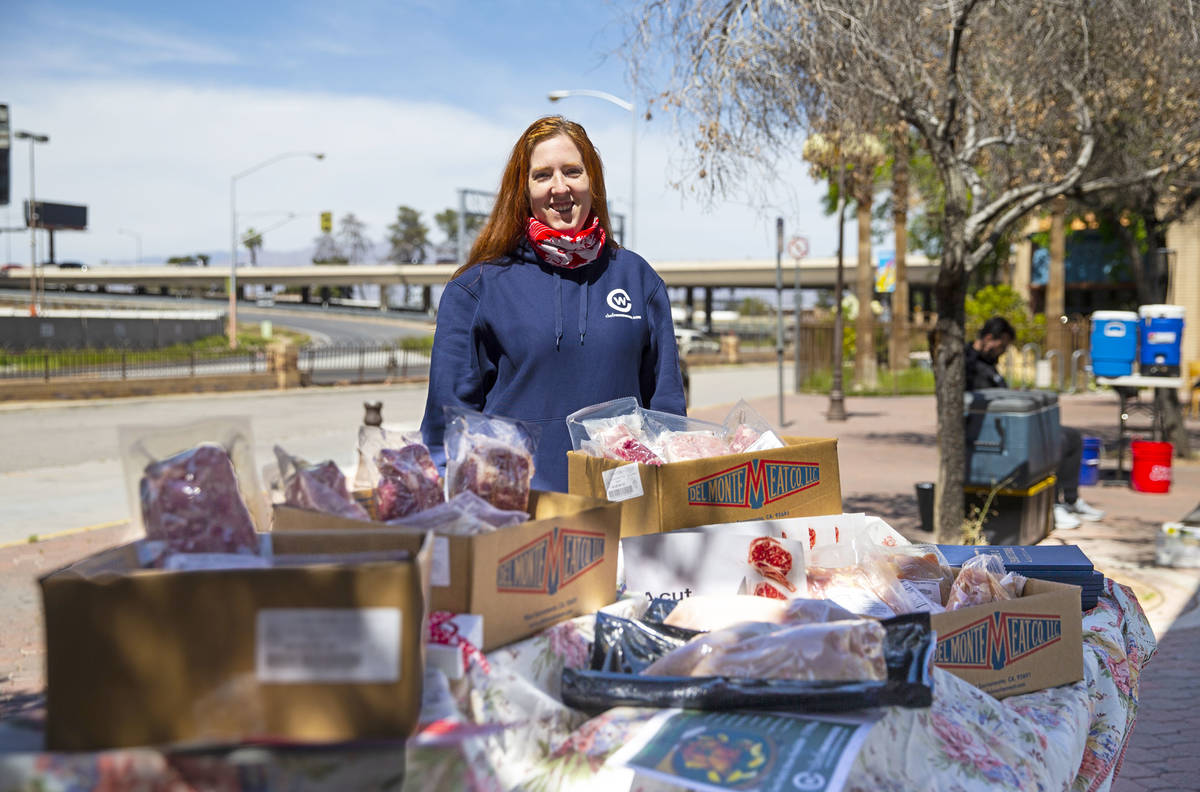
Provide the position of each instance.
(57, 216)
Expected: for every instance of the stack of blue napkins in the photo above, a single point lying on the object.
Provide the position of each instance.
(1057, 563)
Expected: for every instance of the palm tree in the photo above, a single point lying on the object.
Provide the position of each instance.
(253, 241)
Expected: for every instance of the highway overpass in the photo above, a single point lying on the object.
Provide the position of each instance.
(728, 273)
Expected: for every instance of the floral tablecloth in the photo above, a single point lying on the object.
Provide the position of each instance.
(1071, 736)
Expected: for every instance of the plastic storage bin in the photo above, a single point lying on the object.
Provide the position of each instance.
(1160, 337)
(1114, 343)
(1016, 516)
(1013, 437)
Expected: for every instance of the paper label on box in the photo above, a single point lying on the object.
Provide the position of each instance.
(300, 645)
(622, 483)
(439, 565)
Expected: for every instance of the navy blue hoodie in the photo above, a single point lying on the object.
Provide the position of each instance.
(519, 338)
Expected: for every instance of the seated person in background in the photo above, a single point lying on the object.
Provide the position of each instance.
(980, 358)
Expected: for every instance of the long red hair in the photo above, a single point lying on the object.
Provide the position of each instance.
(510, 215)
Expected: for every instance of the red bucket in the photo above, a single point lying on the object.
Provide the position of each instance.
(1151, 466)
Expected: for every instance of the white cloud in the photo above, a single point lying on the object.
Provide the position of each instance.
(157, 158)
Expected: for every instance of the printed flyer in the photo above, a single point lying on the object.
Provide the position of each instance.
(748, 751)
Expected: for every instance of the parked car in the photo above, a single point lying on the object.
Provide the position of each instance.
(74, 265)
(7, 268)
(692, 342)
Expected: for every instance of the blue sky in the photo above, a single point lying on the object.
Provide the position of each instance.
(151, 107)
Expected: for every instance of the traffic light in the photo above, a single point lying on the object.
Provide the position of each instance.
(326, 222)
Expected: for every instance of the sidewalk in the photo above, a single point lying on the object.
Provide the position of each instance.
(886, 446)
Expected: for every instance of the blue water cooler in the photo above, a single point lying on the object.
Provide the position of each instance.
(1114, 343)
(1160, 334)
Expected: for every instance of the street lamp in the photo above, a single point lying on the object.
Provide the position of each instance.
(137, 238)
(33, 139)
(554, 96)
(233, 235)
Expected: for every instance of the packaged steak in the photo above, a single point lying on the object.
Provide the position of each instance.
(838, 650)
(193, 488)
(491, 456)
(746, 430)
(408, 481)
(983, 579)
(320, 487)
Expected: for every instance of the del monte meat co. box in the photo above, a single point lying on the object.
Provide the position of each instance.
(522, 578)
(798, 480)
(1015, 646)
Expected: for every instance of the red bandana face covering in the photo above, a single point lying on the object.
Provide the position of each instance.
(563, 250)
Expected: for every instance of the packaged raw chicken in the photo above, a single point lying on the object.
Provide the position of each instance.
(680, 446)
(408, 482)
(320, 487)
(839, 650)
(746, 430)
(712, 612)
(981, 580)
(859, 579)
(490, 456)
(922, 570)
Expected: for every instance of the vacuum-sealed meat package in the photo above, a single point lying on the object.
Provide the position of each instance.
(706, 612)
(839, 650)
(701, 444)
(194, 487)
(922, 571)
(981, 580)
(320, 487)
(491, 456)
(408, 481)
(746, 430)
(466, 514)
(837, 666)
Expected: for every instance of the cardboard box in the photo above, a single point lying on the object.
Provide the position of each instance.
(149, 657)
(799, 480)
(520, 579)
(1015, 646)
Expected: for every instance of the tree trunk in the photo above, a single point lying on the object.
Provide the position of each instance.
(1056, 286)
(866, 374)
(948, 369)
(898, 354)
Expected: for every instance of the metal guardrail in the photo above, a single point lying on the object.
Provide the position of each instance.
(324, 365)
(317, 364)
(105, 364)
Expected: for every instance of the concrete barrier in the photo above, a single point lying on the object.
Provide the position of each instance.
(84, 329)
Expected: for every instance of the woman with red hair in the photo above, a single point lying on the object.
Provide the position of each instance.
(549, 314)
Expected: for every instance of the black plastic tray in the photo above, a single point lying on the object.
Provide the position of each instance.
(623, 648)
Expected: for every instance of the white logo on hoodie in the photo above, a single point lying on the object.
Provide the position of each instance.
(618, 300)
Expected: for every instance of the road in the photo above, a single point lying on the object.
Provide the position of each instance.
(61, 470)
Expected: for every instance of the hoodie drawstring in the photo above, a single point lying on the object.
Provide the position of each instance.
(583, 308)
(558, 313)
